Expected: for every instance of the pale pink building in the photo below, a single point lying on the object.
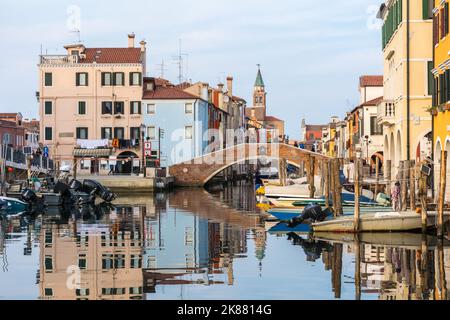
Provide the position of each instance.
(90, 107)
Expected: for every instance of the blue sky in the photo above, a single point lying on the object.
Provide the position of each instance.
(312, 53)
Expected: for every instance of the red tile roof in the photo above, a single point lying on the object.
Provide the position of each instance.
(168, 93)
(373, 102)
(371, 81)
(113, 55)
(270, 118)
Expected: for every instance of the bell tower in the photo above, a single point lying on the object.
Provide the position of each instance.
(259, 96)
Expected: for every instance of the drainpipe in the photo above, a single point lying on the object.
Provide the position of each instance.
(408, 83)
(432, 116)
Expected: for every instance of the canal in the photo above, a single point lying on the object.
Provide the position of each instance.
(194, 244)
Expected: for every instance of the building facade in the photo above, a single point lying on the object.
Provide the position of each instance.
(441, 97)
(406, 33)
(12, 131)
(90, 106)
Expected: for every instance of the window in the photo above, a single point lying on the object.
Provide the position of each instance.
(82, 292)
(136, 290)
(375, 128)
(119, 261)
(151, 108)
(188, 108)
(82, 262)
(188, 132)
(106, 107)
(48, 133)
(48, 292)
(119, 78)
(135, 107)
(135, 78)
(48, 79)
(119, 107)
(119, 133)
(82, 79)
(48, 263)
(85, 165)
(82, 107)
(48, 107)
(427, 9)
(82, 133)
(107, 261)
(136, 261)
(134, 133)
(106, 79)
(151, 133)
(107, 133)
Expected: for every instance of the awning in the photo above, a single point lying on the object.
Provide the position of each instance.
(94, 153)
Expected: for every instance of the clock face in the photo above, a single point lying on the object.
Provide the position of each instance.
(226, 99)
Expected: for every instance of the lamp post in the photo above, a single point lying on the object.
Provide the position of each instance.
(367, 141)
(143, 147)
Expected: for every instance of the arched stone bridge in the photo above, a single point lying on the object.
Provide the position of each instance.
(197, 172)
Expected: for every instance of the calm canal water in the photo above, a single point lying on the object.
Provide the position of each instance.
(191, 244)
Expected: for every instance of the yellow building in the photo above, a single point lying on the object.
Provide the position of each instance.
(407, 82)
(441, 98)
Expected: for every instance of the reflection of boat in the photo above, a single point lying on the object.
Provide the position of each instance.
(283, 228)
(284, 214)
(376, 222)
(392, 239)
(12, 206)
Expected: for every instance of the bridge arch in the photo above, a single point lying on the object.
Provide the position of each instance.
(197, 172)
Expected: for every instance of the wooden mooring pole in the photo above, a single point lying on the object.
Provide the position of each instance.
(441, 199)
(337, 188)
(377, 177)
(423, 190)
(357, 268)
(312, 188)
(404, 184)
(412, 185)
(357, 196)
(326, 174)
(387, 176)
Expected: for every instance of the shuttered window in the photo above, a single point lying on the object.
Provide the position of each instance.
(119, 78)
(119, 133)
(135, 79)
(119, 107)
(82, 133)
(427, 9)
(82, 107)
(430, 77)
(106, 78)
(48, 79)
(107, 133)
(107, 107)
(48, 107)
(135, 107)
(48, 133)
(82, 79)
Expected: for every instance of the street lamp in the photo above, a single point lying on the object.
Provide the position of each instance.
(367, 141)
(143, 147)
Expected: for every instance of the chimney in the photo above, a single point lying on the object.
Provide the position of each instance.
(204, 91)
(230, 86)
(131, 40)
(143, 44)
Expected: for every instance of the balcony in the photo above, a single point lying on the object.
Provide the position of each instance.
(386, 113)
(58, 59)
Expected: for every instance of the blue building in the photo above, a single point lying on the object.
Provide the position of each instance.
(175, 120)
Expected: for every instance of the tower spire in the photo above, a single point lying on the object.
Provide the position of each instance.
(259, 80)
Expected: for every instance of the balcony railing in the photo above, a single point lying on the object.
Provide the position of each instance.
(386, 113)
(58, 59)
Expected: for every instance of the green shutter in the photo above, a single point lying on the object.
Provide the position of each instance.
(139, 107)
(77, 79)
(400, 4)
(131, 78)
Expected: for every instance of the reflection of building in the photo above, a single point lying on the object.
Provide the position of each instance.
(108, 257)
(372, 268)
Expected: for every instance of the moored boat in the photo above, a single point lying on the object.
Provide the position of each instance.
(12, 206)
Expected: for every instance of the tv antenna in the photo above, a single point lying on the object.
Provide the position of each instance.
(78, 32)
(162, 68)
(179, 61)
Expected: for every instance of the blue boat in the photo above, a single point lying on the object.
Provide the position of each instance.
(282, 227)
(11, 206)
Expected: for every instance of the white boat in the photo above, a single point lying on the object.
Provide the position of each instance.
(378, 222)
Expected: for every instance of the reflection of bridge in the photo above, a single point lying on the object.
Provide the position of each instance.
(197, 172)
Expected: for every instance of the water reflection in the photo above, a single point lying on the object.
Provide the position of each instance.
(200, 245)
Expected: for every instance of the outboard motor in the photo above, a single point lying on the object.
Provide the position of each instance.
(62, 189)
(75, 185)
(313, 213)
(29, 196)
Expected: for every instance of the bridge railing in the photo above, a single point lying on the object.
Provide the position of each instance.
(16, 156)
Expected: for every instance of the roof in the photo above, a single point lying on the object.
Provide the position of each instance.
(236, 98)
(112, 55)
(315, 127)
(373, 102)
(259, 80)
(371, 81)
(271, 118)
(163, 92)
